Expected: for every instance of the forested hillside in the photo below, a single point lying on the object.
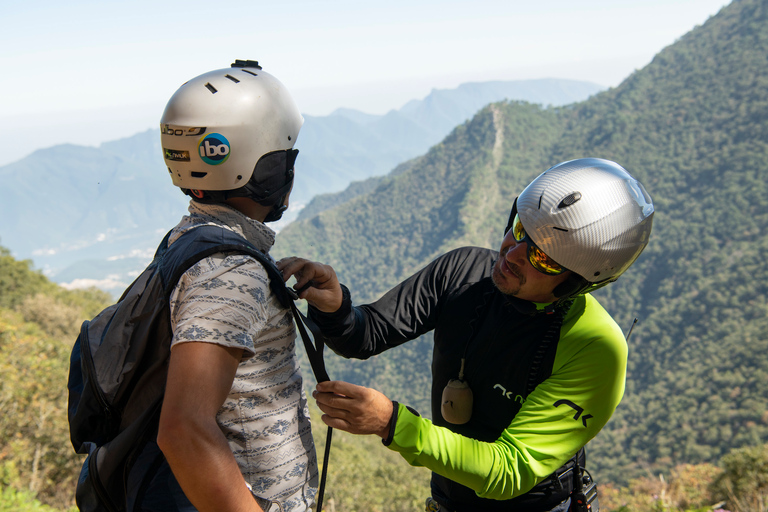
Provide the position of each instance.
(38, 323)
(693, 127)
(38, 468)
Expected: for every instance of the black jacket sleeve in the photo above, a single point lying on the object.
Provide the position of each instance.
(407, 311)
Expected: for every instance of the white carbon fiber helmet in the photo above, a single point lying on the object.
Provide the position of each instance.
(590, 216)
(219, 125)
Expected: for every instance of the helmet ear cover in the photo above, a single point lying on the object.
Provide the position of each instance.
(270, 182)
(574, 285)
(272, 177)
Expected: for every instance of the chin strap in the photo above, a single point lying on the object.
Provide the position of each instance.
(277, 212)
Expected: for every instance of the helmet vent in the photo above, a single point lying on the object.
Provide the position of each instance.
(570, 199)
(233, 79)
(211, 88)
(250, 72)
(198, 174)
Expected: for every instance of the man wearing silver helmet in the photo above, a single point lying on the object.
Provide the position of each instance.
(527, 367)
(234, 428)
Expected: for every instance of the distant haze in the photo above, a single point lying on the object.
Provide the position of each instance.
(88, 72)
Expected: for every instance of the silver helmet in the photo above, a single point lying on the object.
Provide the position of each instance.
(589, 215)
(219, 125)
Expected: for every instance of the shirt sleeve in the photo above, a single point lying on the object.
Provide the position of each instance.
(222, 300)
(559, 417)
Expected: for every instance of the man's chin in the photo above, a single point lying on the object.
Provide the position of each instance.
(501, 284)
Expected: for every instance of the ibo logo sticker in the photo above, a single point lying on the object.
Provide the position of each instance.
(214, 149)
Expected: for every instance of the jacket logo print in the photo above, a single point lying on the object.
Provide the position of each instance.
(576, 408)
(508, 394)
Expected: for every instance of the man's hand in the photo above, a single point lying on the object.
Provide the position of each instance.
(318, 282)
(354, 409)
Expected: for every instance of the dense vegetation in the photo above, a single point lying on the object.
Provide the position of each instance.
(693, 127)
(38, 322)
(38, 468)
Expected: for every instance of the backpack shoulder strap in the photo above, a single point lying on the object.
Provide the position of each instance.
(204, 241)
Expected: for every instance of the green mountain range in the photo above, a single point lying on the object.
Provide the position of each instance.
(693, 127)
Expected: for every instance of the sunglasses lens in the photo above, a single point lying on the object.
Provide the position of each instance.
(542, 262)
(517, 229)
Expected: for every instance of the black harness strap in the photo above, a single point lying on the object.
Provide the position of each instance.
(315, 354)
(551, 336)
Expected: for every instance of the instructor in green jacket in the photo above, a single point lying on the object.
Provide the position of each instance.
(527, 367)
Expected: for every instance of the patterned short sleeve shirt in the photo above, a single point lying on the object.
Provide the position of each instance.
(226, 300)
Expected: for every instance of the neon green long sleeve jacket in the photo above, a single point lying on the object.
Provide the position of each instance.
(560, 416)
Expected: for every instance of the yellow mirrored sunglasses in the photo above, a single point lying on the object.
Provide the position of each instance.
(536, 256)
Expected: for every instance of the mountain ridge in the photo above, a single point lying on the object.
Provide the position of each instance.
(691, 126)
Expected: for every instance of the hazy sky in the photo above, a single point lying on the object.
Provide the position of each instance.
(85, 72)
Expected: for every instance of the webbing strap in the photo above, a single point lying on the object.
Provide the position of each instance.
(552, 334)
(314, 350)
(315, 354)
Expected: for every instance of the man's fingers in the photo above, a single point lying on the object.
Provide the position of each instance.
(331, 410)
(293, 266)
(335, 417)
(315, 282)
(339, 403)
(340, 387)
(305, 271)
(288, 266)
(336, 423)
(355, 409)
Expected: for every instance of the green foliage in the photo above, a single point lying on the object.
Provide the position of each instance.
(39, 322)
(12, 500)
(17, 281)
(739, 483)
(691, 126)
(744, 480)
(687, 488)
(34, 435)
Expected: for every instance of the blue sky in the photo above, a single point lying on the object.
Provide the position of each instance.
(85, 72)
